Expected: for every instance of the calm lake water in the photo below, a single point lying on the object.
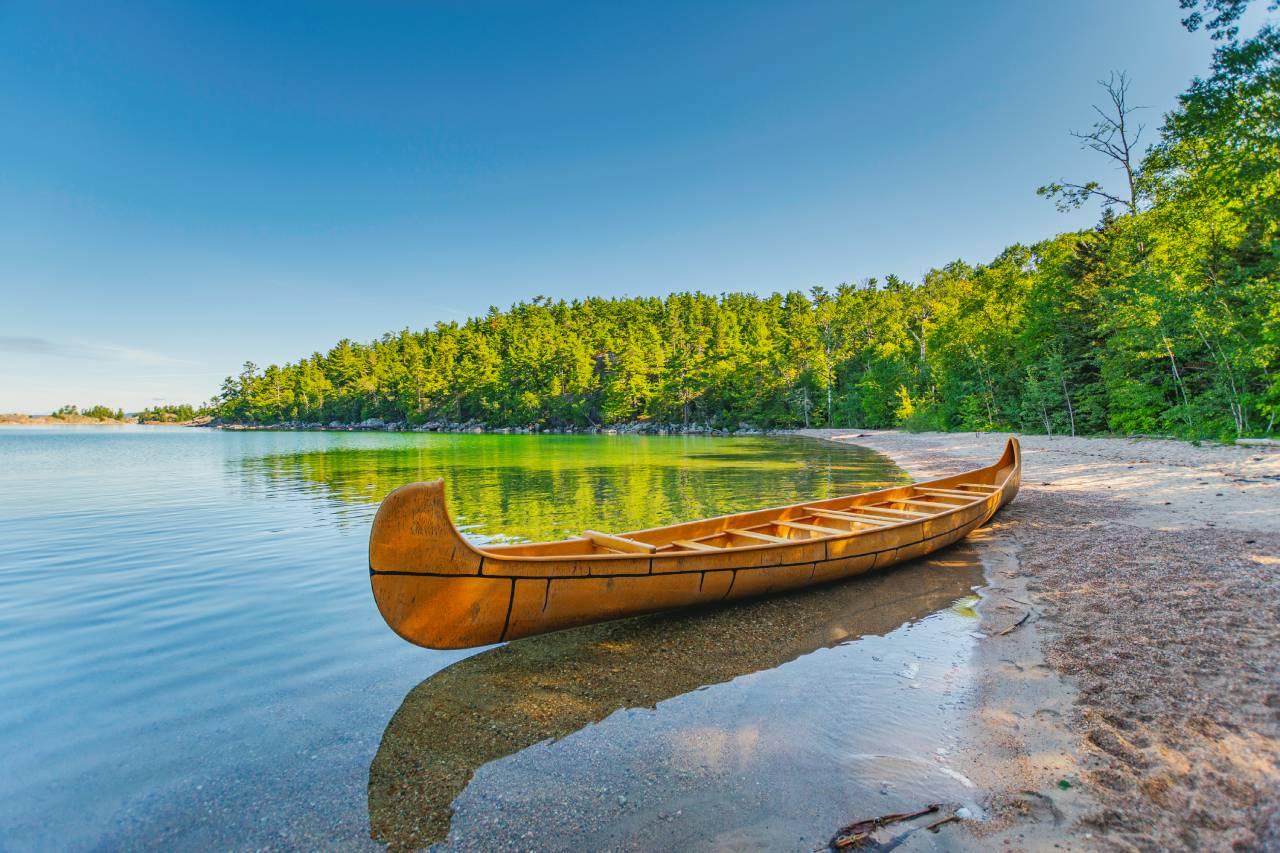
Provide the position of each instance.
(192, 657)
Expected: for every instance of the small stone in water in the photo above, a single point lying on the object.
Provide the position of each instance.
(963, 813)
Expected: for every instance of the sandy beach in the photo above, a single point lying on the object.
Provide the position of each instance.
(1137, 707)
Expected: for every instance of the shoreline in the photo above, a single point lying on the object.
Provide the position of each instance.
(649, 428)
(1137, 706)
(476, 427)
(49, 420)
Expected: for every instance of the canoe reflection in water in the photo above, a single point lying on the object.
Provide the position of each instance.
(502, 701)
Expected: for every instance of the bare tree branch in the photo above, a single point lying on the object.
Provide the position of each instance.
(1113, 136)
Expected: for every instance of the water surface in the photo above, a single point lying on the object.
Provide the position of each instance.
(193, 658)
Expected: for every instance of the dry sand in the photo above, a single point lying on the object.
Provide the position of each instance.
(1138, 707)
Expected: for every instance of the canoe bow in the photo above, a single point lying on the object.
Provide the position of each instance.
(436, 589)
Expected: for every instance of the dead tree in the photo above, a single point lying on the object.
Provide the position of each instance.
(1114, 136)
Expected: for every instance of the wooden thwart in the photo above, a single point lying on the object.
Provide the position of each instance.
(950, 493)
(618, 543)
(825, 531)
(692, 545)
(937, 507)
(868, 520)
(757, 535)
(885, 520)
(899, 513)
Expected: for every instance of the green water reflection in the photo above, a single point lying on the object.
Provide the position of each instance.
(524, 487)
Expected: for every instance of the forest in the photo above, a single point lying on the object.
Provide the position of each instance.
(99, 411)
(179, 412)
(1164, 318)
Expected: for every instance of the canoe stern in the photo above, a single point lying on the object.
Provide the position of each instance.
(412, 532)
(1009, 470)
(426, 576)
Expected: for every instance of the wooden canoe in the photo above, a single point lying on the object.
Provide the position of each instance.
(436, 589)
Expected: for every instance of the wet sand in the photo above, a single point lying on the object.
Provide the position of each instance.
(1138, 706)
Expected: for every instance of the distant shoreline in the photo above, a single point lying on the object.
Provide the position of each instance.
(81, 420)
(478, 428)
(69, 420)
(649, 428)
(464, 427)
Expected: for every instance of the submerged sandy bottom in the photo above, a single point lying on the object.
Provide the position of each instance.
(766, 725)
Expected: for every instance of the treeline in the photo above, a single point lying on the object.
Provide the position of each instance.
(98, 411)
(1164, 318)
(177, 412)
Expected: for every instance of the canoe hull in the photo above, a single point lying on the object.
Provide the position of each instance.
(437, 590)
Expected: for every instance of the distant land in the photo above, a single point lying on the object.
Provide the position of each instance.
(71, 420)
(99, 415)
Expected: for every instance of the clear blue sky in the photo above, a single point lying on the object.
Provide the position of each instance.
(187, 186)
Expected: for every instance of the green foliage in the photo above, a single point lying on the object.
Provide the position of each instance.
(174, 412)
(1224, 15)
(1164, 318)
(98, 411)
(101, 411)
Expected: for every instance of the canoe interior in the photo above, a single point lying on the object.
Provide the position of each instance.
(809, 520)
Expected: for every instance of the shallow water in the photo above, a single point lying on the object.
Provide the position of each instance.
(766, 724)
(193, 659)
